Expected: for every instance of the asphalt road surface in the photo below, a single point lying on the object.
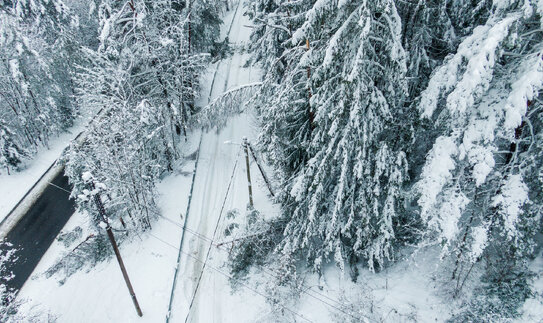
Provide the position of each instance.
(37, 230)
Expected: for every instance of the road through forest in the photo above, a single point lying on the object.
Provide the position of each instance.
(220, 153)
(38, 228)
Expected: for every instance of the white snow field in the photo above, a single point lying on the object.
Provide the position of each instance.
(407, 291)
(99, 294)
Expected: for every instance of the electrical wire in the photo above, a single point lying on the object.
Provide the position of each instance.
(272, 274)
(214, 233)
(269, 273)
(60, 188)
(265, 271)
(231, 277)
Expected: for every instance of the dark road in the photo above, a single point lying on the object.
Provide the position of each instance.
(37, 230)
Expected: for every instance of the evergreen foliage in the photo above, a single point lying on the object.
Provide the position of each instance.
(142, 80)
(37, 45)
(387, 122)
(405, 121)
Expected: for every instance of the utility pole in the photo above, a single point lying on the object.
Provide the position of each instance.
(261, 169)
(246, 148)
(111, 237)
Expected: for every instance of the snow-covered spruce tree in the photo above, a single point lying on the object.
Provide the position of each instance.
(335, 128)
(283, 102)
(431, 29)
(36, 48)
(346, 201)
(275, 22)
(123, 162)
(142, 79)
(480, 189)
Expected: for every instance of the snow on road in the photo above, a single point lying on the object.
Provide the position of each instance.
(220, 152)
(99, 294)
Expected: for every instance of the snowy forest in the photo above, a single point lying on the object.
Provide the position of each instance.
(391, 131)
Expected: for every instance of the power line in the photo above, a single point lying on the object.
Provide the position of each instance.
(60, 188)
(265, 271)
(269, 273)
(214, 233)
(184, 226)
(231, 277)
(198, 235)
(213, 242)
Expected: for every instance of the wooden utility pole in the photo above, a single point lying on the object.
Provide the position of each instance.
(261, 169)
(111, 237)
(246, 148)
(308, 67)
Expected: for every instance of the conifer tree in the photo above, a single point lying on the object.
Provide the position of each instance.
(11, 154)
(477, 191)
(331, 129)
(36, 81)
(141, 80)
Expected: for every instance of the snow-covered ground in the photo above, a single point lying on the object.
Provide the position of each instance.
(405, 292)
(219, 154)
(99, 294)
(532, 310)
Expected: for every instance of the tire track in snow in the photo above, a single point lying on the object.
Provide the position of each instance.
(184, 226)
(206, 197)
(214, 189)
(205, 218)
